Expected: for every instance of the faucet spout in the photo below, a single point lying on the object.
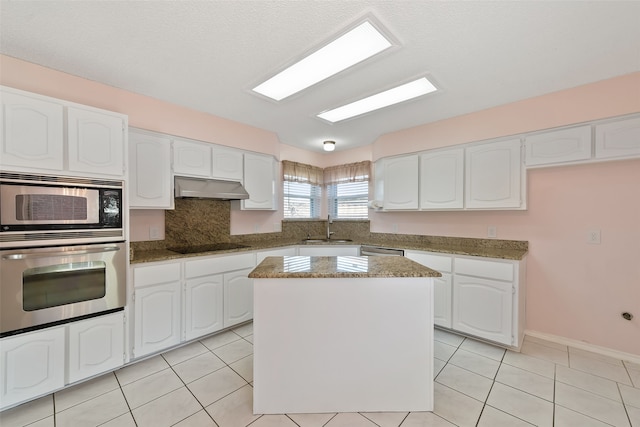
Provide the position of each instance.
(329, 232)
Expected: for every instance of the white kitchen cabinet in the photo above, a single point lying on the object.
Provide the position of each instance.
(150, 181)
(329, 250)
(238, 297)
(493, 176)
(32, 132)
(32, 364)
(442, 179)
(260, 256)
(618, 139)
(401, 183)
(442, 289)
(96, 142)
(260, 182)
(204, 302)
(95, 345)
(560, 146)
(191, 158)
(227, 163)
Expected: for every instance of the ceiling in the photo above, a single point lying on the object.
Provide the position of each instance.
(207, 55)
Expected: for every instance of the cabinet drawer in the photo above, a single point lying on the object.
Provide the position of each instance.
(435, 262)
(215, 265)
(152, 275)
(481, 268)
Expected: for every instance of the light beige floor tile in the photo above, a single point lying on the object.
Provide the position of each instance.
(249, 338)
(220, 339)
(47, 422)
(529, 363)
(634, 415)
(274, 421)
(492, 417)
(437, 366)
(567, 418)
(466, 382)
(234, 351)
(125, 420)
(425, 419)
(216, 385)
(244, 330)
(95, 411)
(198, 367)
(456, 407)
(385, 419)
(443, 351)
(244, 368)
(447, 337)
(167, 410)
(475, 363)
(635, 377)
(603, 358)
(600, 368)
(349, 419)
(598, 385)
(199, 419)
(483, 349)
(560, 357)
(545, 343)
(28, 413)
(141, 369)
(592, 405)
(631, 365)
(149, 388)
(186, 352)
(521, 405)
(87, 390)
(526, 381)
(236, 409)
(311, 420)
(630, 395)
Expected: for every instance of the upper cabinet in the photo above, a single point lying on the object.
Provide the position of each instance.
(442, 179)
(560, 146)
(618, 139)
(150, 179)
(191, 158)
(494, 176)
(400, 183)
(33, 136)
(260, 182)
(227, 163)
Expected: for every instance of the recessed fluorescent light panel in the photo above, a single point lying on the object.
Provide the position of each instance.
(361, 43)
(389, 97)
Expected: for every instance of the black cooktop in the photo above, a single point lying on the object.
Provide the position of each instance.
(206, 248)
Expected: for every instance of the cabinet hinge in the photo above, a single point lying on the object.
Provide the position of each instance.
(513, 290)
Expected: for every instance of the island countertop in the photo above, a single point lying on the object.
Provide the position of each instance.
(318, 267)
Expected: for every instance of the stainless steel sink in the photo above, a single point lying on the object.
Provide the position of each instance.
(326, 241)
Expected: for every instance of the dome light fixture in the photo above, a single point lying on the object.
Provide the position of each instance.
(329, 145)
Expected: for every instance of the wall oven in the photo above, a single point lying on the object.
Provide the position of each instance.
(62, 251)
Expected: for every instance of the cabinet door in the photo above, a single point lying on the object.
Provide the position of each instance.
(442, 285)
(191, 158)
(203, 306)
(31, 132)
(483, 308)
(32, 364)
(150, 185)
(96, 142)
(493, 175)
(567, 145)
(260, 182)
(329, 250)
(157, 318)
(95, 345)
(238, 297)
(618, 139)
(442, 179)
(401, 183)
(227, 164)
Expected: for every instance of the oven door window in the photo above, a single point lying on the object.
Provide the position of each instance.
(56, 285)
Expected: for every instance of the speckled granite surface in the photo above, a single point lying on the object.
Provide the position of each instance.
(311, 267)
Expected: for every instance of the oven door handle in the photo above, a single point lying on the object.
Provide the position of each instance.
(19, 256)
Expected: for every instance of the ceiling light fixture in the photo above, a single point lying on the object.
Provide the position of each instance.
(329, 145)
(361, 43)
(389, 97)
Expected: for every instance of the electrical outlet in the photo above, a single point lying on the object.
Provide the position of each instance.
(394, 228)
(593, 237)
(154, 233)
(276, 226)
(492, 231)
(256, 227)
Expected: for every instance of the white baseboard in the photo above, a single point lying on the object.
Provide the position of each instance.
(585, 346)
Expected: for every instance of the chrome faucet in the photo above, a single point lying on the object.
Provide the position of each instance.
(329, 222)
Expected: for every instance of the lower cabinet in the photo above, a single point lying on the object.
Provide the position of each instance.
(203, 305)
(442, 285)
(157, 318)
(238, 297)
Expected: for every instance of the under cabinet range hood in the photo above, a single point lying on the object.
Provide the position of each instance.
(201, 188)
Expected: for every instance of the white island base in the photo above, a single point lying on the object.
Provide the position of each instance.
(343, 345)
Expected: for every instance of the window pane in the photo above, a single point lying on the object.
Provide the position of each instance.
(301, 200)
(349, 199)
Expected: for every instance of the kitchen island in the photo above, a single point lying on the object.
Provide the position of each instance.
(342, 334)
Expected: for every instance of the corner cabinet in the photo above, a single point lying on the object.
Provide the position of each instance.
(494, 176)
(150, 180)
(260, 182)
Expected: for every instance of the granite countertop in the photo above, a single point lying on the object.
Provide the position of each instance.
(319, 267)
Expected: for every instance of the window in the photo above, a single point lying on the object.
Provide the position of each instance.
(302, 188)
(348, 190)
